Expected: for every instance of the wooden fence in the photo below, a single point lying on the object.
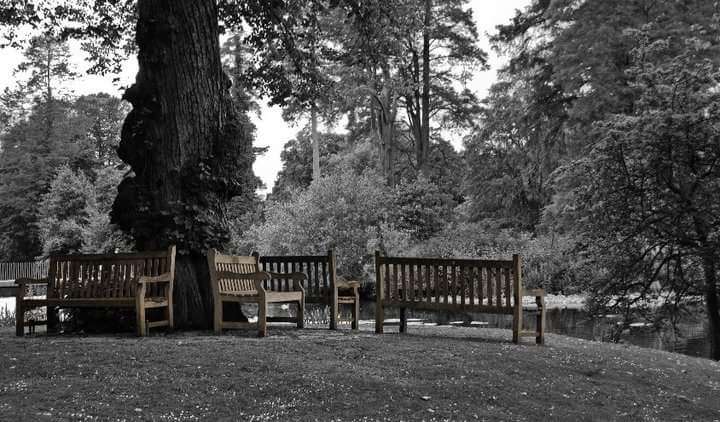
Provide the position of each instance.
(15, 270)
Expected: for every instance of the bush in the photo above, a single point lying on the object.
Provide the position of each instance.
(333, 213)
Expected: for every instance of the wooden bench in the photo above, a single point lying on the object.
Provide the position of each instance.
(322, 285)
(461, 285)
(139, 280)
(238, 279)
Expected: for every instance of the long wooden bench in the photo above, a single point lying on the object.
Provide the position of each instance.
(139, 280)
(322, 285)
(239, 279)
(461, 285)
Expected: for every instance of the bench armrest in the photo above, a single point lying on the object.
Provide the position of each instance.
(146, 280)
(350, 284)
(296, 277)
(534, 292)
(162, 278)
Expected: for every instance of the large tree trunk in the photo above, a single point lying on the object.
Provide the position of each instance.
(711, 302)
(188, 149)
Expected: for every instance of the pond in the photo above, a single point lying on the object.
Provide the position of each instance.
(691, 338)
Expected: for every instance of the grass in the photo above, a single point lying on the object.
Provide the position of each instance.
(432, 373)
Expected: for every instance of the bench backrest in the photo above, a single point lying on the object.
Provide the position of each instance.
(31, 269)
(219, 263)
(319, 269)
(472, 284)
(105, 276)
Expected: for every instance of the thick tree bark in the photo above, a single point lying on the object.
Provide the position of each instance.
(188, 149)
(711, 303)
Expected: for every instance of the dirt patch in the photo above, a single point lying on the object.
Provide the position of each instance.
(432, 373)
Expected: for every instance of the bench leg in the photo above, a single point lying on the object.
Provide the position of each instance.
(403, 321)
(141, 327)
(301, 314)
(170, 317)
(217, 316)
(334, 309)
(540, 333)
(262, 318)
(19, 318)
(516, 326)
(53, 319)
(355, 313)
(379, 316)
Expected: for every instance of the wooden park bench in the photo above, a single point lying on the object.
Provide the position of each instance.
(238, 279)
(461, 285)
(138, 280)
(322, 285)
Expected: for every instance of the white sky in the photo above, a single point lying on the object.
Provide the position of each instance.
(272, 130)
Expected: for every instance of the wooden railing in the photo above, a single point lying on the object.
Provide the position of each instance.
(469, 285)
(31, 269)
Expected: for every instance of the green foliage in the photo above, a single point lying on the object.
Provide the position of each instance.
(47, 65)
(644, 198)
(73, 214)
(63, 212)
(32, 151)
(420, 208)
(549, 261)
(568, 68)
(333, 213)
(296, 156)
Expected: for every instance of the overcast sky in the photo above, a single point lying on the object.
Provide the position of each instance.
(272, 131)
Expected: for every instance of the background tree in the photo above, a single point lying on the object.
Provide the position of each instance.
(648, 194)
(339, 207)
(64, 211)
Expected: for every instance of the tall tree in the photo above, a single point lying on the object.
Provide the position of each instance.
(189, 152)
(31, 154)
(47, 63)
(288, 70)
(410, 60)
(64, 211)
(648, 197)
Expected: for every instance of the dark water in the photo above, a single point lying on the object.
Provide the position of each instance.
(690, 338)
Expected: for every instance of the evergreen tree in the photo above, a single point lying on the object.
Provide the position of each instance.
(647, 200)
(64, 210)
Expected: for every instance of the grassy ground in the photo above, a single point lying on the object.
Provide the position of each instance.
(432, 373)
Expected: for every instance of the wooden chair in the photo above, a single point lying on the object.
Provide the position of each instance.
(238, 279)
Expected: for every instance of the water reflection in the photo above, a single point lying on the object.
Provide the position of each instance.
(690, 338)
